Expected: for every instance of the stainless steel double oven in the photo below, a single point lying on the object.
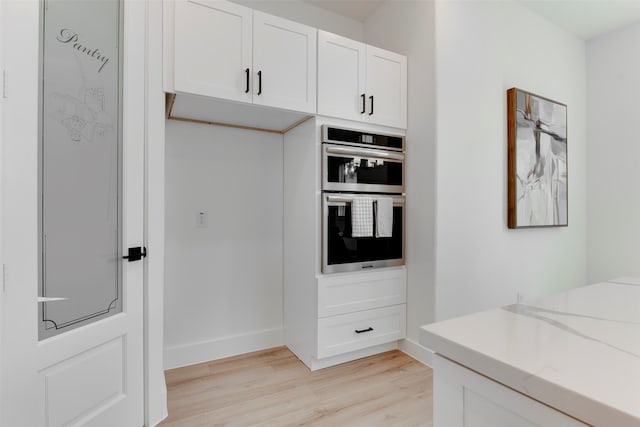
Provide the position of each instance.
(360, 164)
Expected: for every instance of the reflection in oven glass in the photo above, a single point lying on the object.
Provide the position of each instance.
(364, 171)
(342, 248)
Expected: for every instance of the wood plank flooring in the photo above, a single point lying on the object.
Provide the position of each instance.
(273, 388)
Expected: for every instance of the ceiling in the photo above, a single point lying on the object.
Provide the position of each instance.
(359, 10)
(585, 18)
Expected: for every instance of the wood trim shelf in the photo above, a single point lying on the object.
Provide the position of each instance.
(170, 103)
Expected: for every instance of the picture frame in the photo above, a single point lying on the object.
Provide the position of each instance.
(537, 183)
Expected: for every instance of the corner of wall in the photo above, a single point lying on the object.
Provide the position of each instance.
(417, 351)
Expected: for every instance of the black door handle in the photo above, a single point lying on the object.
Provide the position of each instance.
(360, 331)
(135, 254)
(364, 106)
(371, 98)
(259, 82)
(247, 73)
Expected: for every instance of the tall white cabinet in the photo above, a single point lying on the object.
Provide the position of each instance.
(338, 317)
(361, 82)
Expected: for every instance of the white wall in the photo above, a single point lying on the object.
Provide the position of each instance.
(308, 14)
(483, 49)
(613, 154)
(408, 27)
(223, 289)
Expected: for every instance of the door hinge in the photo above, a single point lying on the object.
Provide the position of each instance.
(4, 83)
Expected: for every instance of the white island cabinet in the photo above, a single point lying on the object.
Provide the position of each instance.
(227, 51)
(567, 360)
(361, 82)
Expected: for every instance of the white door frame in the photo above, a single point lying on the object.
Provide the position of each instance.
(2, 85)
(155, 387)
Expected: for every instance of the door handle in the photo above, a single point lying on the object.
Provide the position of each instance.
(371, 98)
(260, 82)
(135, 254)
(363, 152)
(364, 102)
(247, 73)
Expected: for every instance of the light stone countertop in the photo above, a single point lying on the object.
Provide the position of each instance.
(577, 351)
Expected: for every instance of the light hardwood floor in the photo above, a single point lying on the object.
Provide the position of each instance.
(273, 388)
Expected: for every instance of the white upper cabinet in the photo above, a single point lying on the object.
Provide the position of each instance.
(284, 63)
(387, 87)
(213, 49)
(341, 77)
(228, 51)
(361, 82)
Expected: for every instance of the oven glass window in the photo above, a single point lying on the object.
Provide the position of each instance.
(343, 249)
(358, 170)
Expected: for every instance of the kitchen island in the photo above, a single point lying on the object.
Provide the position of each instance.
(570, 359)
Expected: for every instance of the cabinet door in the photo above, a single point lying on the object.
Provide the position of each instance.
(213, 49)
(387, 84)
(341, 77)
(284, 63)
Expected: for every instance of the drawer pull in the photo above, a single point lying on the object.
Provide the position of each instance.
(360, 331)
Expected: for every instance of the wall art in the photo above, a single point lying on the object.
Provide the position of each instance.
(537, 161)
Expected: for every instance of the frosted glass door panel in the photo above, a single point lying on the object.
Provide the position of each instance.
(80, 156)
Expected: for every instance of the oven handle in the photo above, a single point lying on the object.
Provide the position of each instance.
(343, 198)
(376, 154)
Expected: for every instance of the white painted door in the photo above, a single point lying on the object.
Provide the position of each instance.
(213, 49)
(341, 77)
(81, 368)
(386, 87)
(284, 63)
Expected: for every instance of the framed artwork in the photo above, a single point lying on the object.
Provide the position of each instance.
(537, 161)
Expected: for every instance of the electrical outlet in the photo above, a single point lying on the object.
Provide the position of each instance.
(202, 220)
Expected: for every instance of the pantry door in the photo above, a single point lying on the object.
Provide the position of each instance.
(73, 165)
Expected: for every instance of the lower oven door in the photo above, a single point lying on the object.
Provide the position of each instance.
(342, 252)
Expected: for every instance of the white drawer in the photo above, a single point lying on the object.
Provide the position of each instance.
(337, 334)
(346, 293)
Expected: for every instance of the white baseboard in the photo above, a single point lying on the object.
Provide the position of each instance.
(190, 354)
(316, 364)
(163, 409)
(417, 351)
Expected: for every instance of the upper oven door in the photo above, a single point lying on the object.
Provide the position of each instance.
(363, 170)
